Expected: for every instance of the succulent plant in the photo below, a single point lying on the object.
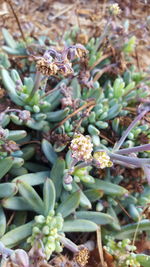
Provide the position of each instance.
(123, 252)
(46, 228)
(62, 169)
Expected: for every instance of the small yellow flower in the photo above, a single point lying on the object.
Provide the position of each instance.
(46, 68)
(81, 147)
(115, 9)
(102, 159)
(82, 256)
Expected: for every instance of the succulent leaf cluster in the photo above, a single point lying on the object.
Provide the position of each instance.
(123, 252)
(62, 168)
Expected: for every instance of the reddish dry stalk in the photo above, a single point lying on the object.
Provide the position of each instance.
(90, 103)
(17, 19)
(80, 121)
(124, 210)
(100, 60)
(11, 218)
(102, 71)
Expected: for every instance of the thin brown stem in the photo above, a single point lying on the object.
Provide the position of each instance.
(136, 231)
(90, 103)
(106, 138)
(11, 218)
(100, 247)
(80, 121)
(17, 19)
(137, 58)
(102, 71)
(124, 210)
(100, 60)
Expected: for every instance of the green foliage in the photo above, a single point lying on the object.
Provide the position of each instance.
(40, 176)
(123, 252)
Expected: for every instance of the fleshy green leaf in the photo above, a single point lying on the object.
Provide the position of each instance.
(17, 235)
(7, 190)
(94, 194)
(8, 38)
(32, 178)
(115, 225)
(49, 196)
(56, 175)
(31, 197)
(97, 217)
(16, 203)
(129, 229)
(16, 135)
(5, 166)
(2, 222)
(69, 205)
(143, 259)
(49, 151)
(79, 226)
(108, 188)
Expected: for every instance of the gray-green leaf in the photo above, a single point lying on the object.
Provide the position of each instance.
(69, 205)
(17, 235)
(49, 196)
(31, 197)
(97, 217)
(5, 166)
(79, 226)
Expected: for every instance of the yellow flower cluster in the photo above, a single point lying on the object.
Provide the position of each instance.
(81, 147)
(115, 9)
(102, 159)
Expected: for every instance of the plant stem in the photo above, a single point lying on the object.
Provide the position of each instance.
(131, 160)
(82, 165)
(38, 77)
(134, 122)
(102, 71)
(17, 19)
(5, 251)
(147, 173)
(133, 149)
(69, 244)
(124, 164)
(90, 103)
(105, 32)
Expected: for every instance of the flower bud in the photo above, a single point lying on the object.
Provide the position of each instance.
(20, 257)
(81, 147)
(115, 9)
(40, 219)
(58, 247)
(51, 213)
(45, 230)
(36, 230)
(24, 115)
(102, 160)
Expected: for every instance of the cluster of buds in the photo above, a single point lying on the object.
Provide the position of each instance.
(9, 146)
(3, 133)
(24, 115)
(122, 252)
(2, 93)
(81, 147)
(102, 160)
(54, 62)
(68, 100)
(85, 78)
(46, 230)
(114, 9)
